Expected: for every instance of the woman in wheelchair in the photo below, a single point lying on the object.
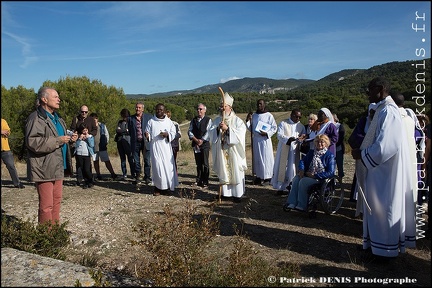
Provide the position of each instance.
(318, 164)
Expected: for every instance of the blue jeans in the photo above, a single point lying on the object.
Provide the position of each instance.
(140, 148)
(8, 160)
(298, 195)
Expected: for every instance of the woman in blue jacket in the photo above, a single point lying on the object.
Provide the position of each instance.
(316, 165)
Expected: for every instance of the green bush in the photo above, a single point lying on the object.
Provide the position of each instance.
(43, 239)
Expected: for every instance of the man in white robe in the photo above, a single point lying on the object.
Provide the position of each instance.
(160, 131)
(384, 179)
(263, 126)
(288, 151)
(228, 139)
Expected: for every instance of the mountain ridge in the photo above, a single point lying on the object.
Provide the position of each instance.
(263, 85)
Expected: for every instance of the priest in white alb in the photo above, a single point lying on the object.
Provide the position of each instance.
(263, 126)
(160, 131)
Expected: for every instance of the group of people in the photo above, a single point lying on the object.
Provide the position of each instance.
(304, 156)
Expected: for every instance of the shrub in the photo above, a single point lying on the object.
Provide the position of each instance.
(43, 239)
(178, 251)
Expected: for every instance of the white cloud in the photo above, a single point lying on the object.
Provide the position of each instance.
(26, 50)
(223, 80)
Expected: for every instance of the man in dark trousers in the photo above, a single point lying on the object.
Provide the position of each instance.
(198, 134)
(137, 124)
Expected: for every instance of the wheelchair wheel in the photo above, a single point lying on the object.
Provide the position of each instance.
(314, 199)
(332, 195)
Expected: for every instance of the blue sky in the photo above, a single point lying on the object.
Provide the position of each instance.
(149, 47)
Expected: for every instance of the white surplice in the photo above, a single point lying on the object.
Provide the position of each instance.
(287, 156)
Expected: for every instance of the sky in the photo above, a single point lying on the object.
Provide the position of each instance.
(146, 47)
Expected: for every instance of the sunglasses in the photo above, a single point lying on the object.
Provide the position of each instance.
(200, 109)
(84, 111)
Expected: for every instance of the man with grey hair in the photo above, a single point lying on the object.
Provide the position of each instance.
(198, 134)
(139, 144)
(49, 154)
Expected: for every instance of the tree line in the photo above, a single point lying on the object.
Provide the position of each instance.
(345, 97)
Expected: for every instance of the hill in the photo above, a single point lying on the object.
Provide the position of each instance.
(403, 76)
(244, 85)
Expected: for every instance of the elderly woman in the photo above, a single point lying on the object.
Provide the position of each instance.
(305, 146)
(318, 164)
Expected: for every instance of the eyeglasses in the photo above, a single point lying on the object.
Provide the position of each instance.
(84, 111)
(200, 109)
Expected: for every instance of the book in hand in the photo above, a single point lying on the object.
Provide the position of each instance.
(262, 127)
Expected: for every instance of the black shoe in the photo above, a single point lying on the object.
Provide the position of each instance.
(257, 181)
(20, 186)
(286, 208)
(85, 186)
(236, 199)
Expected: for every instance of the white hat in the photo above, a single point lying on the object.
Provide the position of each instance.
(228, 99)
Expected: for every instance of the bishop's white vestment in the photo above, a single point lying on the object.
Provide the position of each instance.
(229, 154)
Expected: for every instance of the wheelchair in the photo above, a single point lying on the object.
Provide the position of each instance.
(328, 193)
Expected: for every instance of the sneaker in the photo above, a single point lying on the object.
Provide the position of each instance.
(299, 208)
(19, 186)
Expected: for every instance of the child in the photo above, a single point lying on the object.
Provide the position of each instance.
(84, 153)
